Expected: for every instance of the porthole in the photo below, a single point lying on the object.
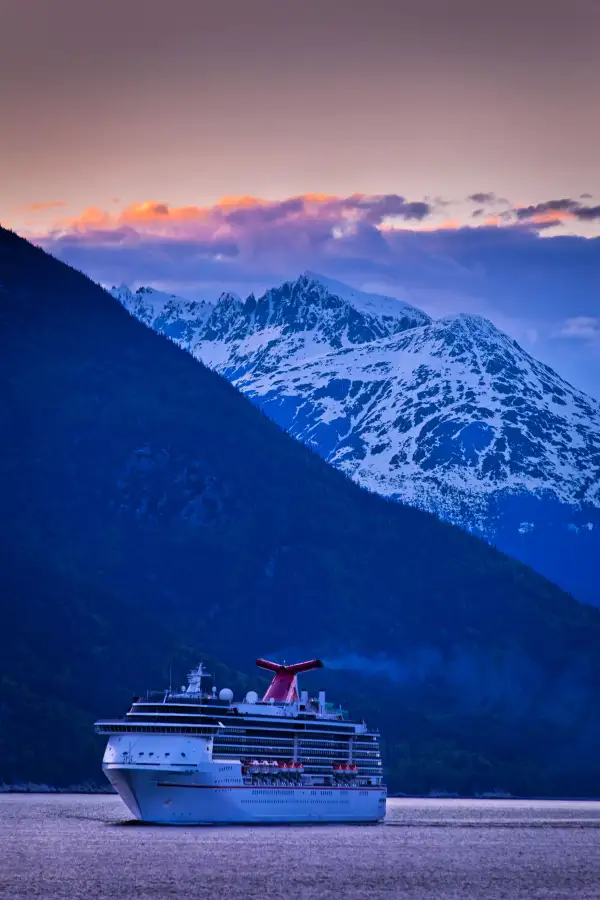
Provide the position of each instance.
(182, 753)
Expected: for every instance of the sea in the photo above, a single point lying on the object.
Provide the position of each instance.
(67, 846)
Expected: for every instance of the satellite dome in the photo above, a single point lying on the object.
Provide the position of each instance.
(251, 697)
(226, 694)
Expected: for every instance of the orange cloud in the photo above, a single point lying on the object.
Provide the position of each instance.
(153, 213)
(230, 214)
(148, 212)
(44, 205)
(149, 209)
(326, 198)
(91, 217)
(450, 224)
(238, 202)
(159, 212)
(556, 216)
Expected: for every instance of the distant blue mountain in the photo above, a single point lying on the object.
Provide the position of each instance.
(451, 416)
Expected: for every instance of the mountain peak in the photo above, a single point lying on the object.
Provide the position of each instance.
(473, 330)
(298, 320)
(380, 305)
(468, 319)
(173, 315)
(472, 323)
(228, 298)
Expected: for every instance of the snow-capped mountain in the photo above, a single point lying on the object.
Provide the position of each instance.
(452, 416)
(453, 405)
(297, 321)
(172, 315)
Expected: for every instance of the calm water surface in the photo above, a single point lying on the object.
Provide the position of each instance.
(72, 846)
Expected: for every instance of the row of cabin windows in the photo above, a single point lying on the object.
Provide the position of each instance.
(269, 792)
(322, 755)
(257, 734)
(254, 731)
(320, 767)
(268, 740)
(311, 801)
(309, 741)
(235, 739)
(153, 729)
(358, 752)
(283, 748)
(302, 753)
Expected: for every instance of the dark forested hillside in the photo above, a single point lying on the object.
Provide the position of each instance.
(153, 508)
(70, 652)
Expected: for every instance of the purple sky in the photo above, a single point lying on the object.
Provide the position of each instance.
(124, 123)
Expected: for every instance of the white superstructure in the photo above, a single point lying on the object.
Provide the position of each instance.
(190, 756)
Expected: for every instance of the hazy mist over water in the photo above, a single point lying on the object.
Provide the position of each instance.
(71, 846)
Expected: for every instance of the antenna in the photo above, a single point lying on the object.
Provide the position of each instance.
(195, 677)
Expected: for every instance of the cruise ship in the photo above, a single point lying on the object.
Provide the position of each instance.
(192, 756)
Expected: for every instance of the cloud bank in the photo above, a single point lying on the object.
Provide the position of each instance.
(513, 264)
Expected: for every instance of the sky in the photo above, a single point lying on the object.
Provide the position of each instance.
(444, 151)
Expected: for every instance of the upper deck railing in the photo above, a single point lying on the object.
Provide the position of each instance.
(260, 707)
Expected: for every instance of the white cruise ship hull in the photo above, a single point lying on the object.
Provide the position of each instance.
(174, 798)
(189, 758)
